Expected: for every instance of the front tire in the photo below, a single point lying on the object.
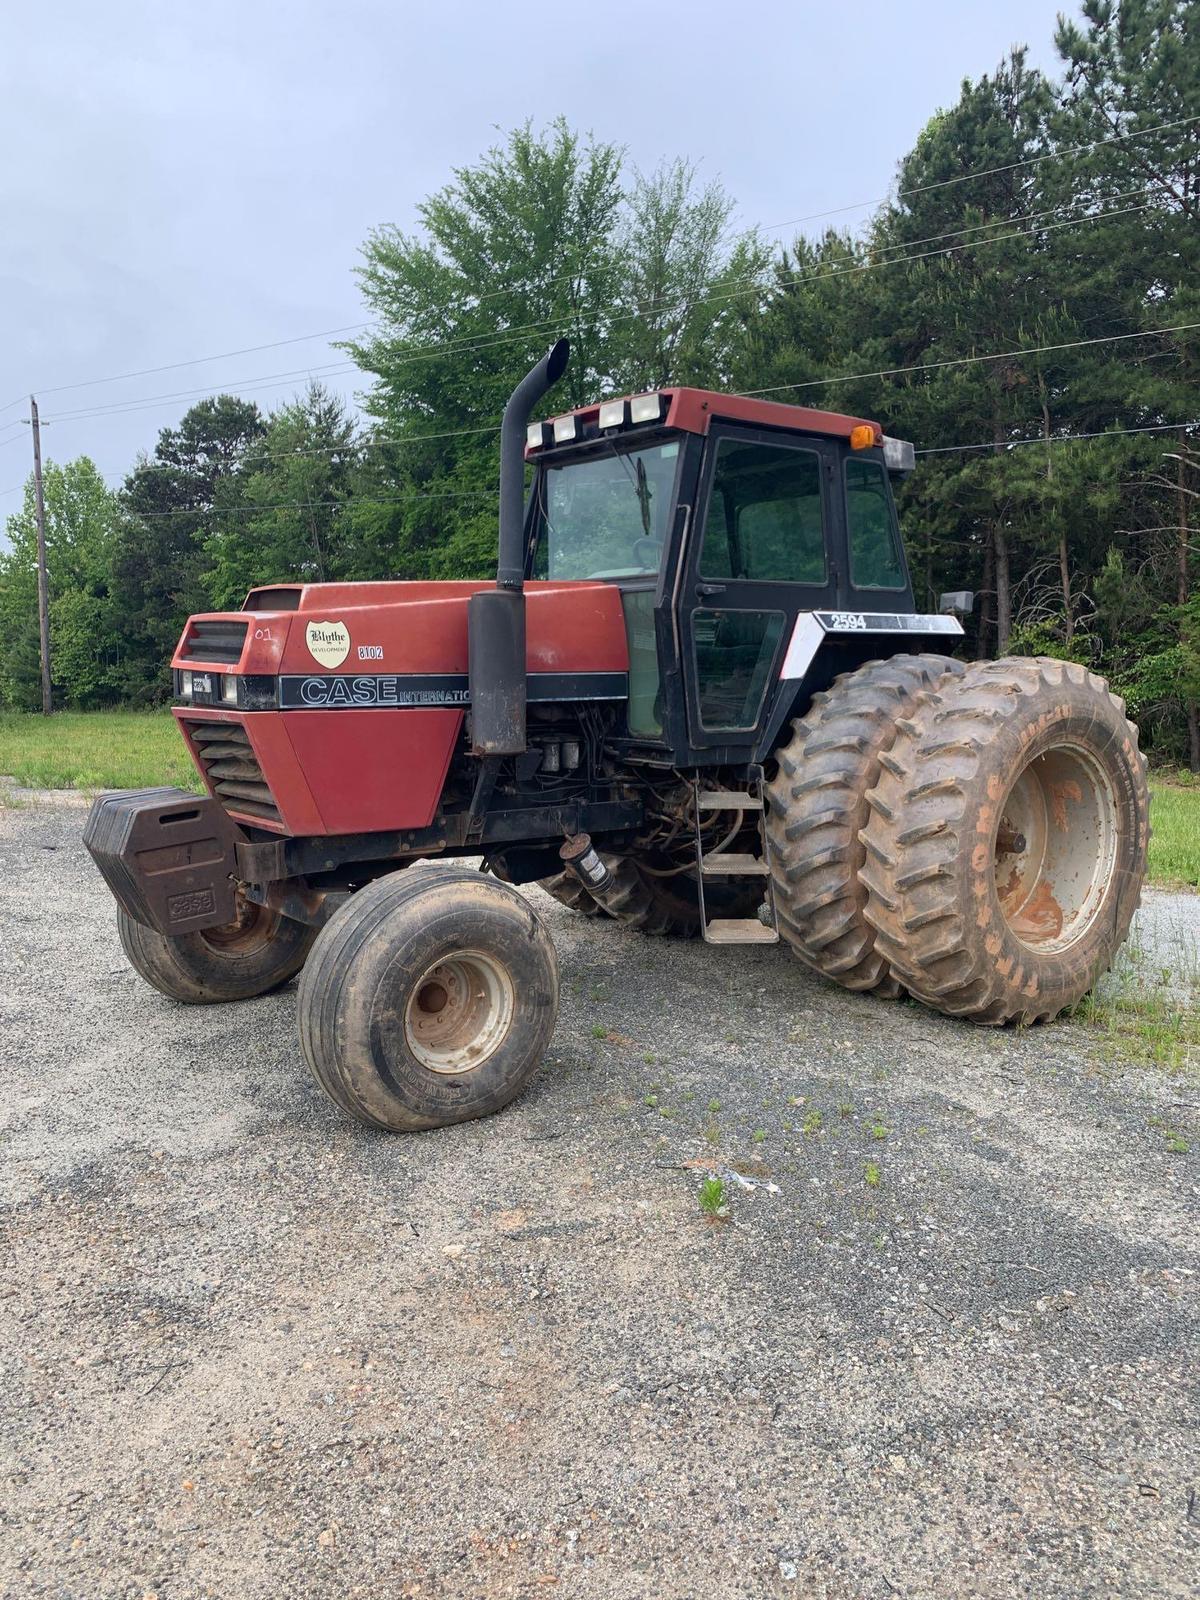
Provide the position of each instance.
(429, 999)
(1007, 841)
(259, 952)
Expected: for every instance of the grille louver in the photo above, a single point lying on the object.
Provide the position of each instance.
(215, 641)
(232, 768)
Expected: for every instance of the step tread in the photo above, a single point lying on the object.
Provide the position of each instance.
(739, 930)
(728, 800)
(734, 866)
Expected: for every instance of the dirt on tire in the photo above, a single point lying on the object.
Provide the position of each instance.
(207, 968)
(817, 805)
(976, 919)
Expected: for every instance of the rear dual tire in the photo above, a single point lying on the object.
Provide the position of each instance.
(973, 835)
(817, 805)
(1006, 846)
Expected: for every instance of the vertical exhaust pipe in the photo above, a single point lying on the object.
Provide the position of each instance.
(496, 617)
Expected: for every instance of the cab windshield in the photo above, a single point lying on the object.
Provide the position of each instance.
(606, 517)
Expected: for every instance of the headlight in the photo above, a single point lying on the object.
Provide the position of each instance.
(229, 689)
(185, 685)
(646, 408)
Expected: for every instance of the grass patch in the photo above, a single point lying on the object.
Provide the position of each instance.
(140, 749)
(1147, 1029)
(95, 750)
(1175, 825)
(713, 1201)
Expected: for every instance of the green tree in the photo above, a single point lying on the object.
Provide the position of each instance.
(692, 295)
(83, 519)
(162, 565)
(1133, 76)
(293, 517)
(539, 239)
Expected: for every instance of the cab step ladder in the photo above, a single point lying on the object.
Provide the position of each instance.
(719, 865)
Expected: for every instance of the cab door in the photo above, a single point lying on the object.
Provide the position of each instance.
(768, 544)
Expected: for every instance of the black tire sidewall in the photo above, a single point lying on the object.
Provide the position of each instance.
(405, 928)
(190, 969)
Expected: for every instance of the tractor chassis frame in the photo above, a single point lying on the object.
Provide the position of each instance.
(279, 873)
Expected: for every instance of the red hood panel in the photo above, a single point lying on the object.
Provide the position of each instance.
(422, 627)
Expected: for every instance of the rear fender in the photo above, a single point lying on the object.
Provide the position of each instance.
(824, 644)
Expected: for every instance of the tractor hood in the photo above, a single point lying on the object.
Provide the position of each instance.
(334, 708)
(388, 644)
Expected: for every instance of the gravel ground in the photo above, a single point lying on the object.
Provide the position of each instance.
(251, 1350)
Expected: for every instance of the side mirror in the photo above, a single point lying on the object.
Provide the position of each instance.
(956, 603)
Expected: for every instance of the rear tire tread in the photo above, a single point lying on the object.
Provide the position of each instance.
(817, 806)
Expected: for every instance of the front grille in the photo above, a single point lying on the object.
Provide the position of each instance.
(216, 641)
(232, 768)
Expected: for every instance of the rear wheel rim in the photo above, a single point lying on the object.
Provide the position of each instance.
(1055, 848)
(459, 1012)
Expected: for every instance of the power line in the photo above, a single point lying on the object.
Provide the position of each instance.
(196, 361)
(962, 361)
(389, 443)
(988, 172)
(488, 494)
(520, 335)
(268, 380)
(317, 505)
(1059, 438)
(564, 277)
(356, 447)
(810, 383)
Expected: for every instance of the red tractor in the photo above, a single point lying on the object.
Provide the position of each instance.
(698, 699)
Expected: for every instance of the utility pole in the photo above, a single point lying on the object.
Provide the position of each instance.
(43, 583)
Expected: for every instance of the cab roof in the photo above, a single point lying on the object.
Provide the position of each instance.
(695, 410)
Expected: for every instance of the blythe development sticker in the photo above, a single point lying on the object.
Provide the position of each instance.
(328, 642)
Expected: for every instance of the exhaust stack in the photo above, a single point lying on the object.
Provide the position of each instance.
(496, 617)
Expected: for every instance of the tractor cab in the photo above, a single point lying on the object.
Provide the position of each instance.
(735, 529)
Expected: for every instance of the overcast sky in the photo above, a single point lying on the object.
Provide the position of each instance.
(187, 180)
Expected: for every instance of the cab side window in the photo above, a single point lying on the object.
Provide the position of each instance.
(765, 523)
(871, 525)
(765, 517)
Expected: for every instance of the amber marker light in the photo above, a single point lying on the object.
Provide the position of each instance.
(862, 437)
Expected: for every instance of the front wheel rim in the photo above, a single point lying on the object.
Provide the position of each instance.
(459, 1012)
(254, 926)
(1055, 849)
